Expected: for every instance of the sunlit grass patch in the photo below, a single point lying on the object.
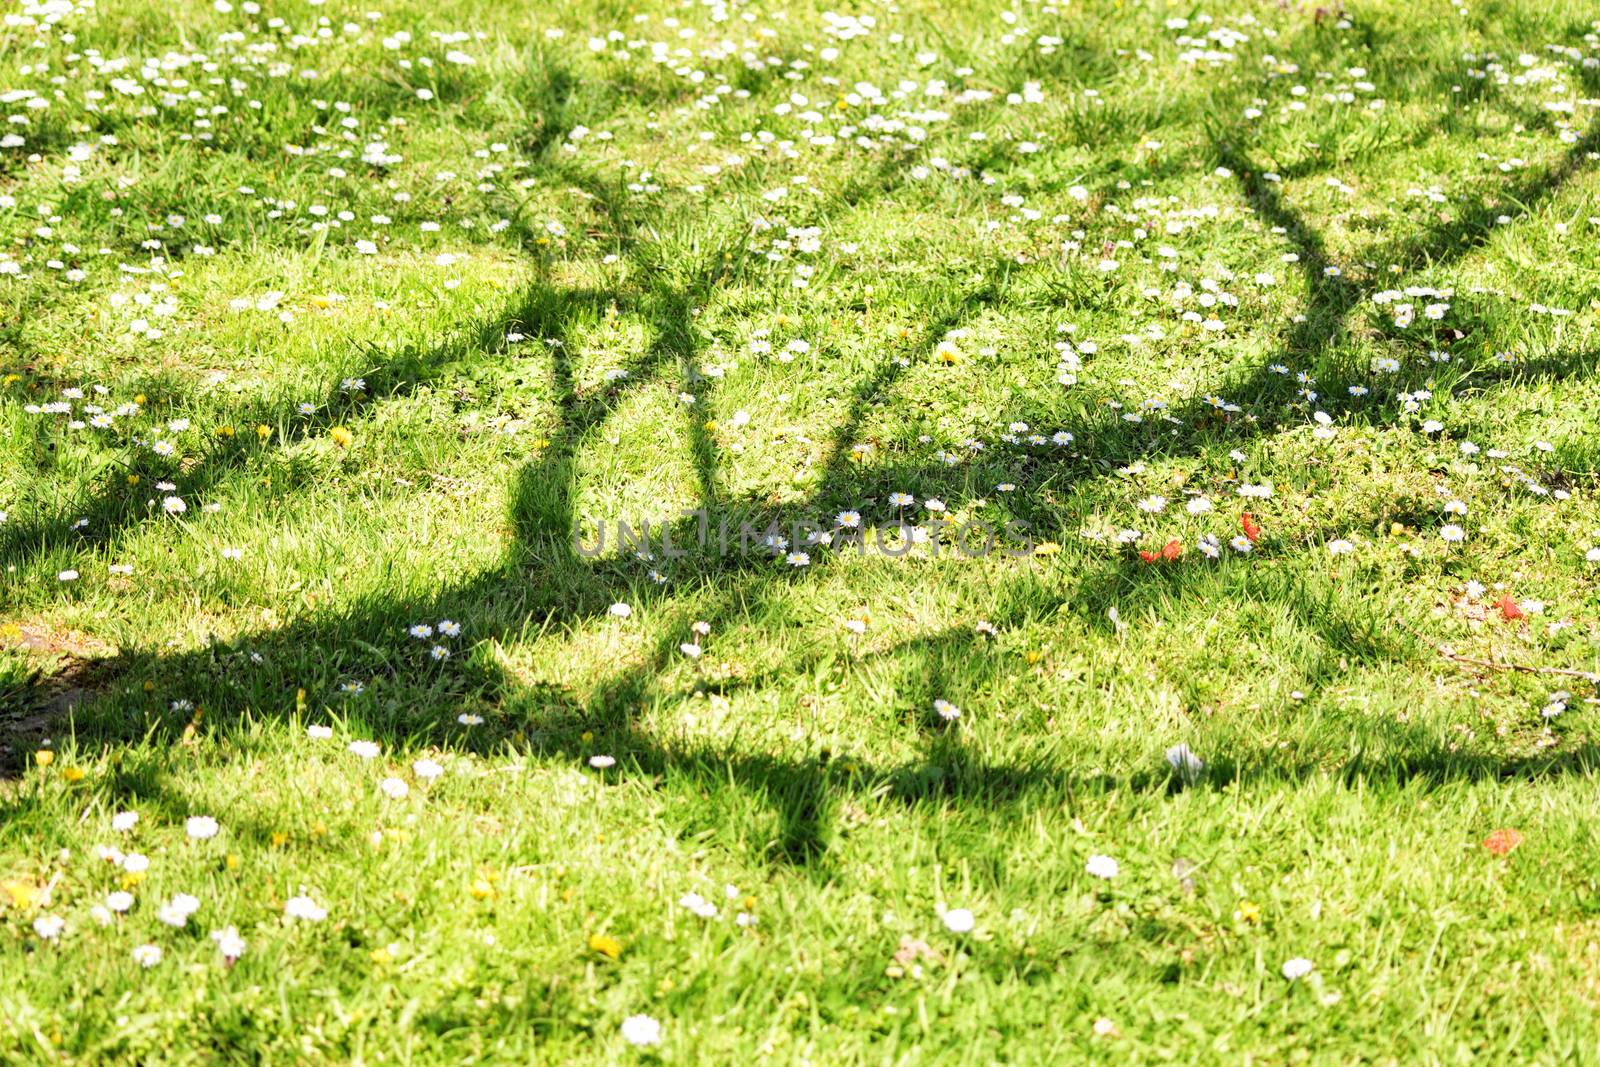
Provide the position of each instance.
(1110, 551)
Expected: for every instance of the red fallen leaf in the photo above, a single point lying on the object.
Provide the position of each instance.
(1252, 529)
(1502, 841)
(1169, 552)
(1508, 607)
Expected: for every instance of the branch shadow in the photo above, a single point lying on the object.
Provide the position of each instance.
(544, 580)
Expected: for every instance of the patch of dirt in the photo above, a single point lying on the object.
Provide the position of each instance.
(67, 669)
(45, 641)
(1581, 944)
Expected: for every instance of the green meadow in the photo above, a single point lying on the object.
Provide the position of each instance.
(649, 531)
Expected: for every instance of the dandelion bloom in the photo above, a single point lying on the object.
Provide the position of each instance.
(606, 945)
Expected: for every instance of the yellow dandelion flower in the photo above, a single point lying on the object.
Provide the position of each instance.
(341, 436)
(20, 894)
(606, 945)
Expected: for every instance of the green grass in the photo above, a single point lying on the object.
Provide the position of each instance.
(973, 216)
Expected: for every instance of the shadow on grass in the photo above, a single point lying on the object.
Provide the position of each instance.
(544, 581)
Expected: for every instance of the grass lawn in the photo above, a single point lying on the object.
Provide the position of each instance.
(1122, 569)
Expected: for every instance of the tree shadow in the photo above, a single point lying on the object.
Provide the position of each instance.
(544, 579)
(1266, 391)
